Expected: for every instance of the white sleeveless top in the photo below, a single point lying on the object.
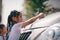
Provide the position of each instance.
(15, 31)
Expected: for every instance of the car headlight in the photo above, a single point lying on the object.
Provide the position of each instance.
(51, 34)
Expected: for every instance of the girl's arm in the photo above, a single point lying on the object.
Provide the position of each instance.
(31, 20)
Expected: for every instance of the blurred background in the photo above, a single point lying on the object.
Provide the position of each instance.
(29, 8)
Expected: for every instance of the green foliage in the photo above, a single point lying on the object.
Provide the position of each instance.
(32, 6)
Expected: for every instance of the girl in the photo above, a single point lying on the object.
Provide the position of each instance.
(3, 31)
(15, 23)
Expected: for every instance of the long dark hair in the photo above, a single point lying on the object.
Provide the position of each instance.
(10, 21)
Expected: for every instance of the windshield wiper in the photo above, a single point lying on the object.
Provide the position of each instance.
(36, 28)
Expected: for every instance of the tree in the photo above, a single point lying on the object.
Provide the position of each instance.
(33, 6)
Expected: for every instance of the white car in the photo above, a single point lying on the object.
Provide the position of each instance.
(47, 28)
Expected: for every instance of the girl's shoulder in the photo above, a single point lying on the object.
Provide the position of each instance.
(18, 24)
